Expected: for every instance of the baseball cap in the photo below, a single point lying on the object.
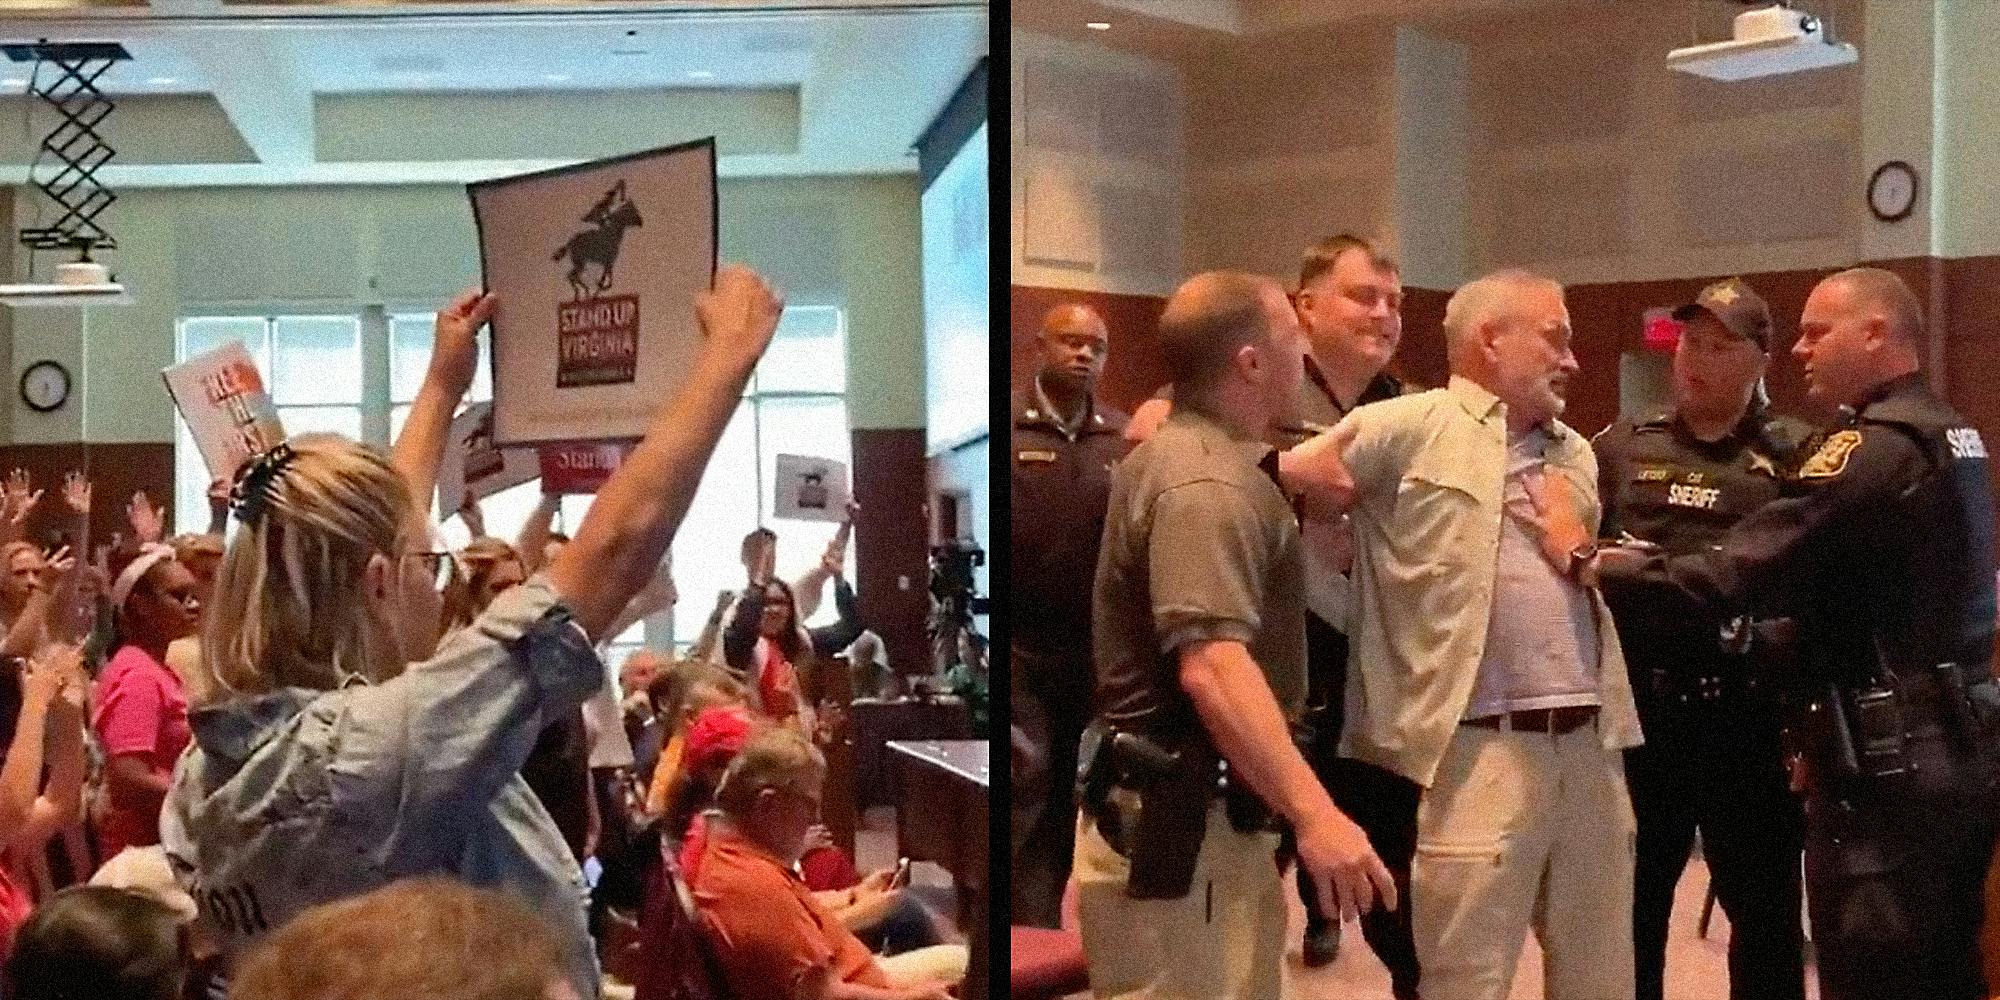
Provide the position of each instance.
(1733, 304)
(716, 736)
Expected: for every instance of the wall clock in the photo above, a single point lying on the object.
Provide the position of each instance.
(45, 386)
(1892, 191)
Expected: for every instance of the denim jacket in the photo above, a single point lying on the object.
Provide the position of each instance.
(297, 797)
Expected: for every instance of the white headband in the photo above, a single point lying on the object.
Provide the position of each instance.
(150, 555)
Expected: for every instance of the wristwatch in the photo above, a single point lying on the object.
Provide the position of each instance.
(1579, 560)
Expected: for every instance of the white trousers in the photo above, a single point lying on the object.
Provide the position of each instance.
(1524, 831)
(1224, 940)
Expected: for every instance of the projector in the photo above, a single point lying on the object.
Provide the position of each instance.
(77, 283)
(1769, 42)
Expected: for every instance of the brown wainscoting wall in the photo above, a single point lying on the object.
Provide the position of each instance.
(1962, 298)
(116, 471)
(891, 543)
(1134, 369)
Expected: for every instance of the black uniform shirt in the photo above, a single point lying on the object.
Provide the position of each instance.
(1059, 487)
(1660, 483)
(1884, 536)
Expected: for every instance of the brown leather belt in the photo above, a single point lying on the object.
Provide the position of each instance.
(1553, 721)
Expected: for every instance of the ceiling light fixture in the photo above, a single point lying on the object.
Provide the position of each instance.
(700, 74)
(162, 81)
(556, 77)
(1098, 25)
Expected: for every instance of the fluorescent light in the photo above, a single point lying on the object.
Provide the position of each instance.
(700, 74)
(1098, 25)
(556, 77)
(162, 81)
(13, 82)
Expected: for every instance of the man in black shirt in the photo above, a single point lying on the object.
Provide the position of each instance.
(1065, 442)
(1712, 759)
(1350, 303)
(1884, 538)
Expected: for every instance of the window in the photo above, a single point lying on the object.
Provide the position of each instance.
(411, 336)
(312, 366)
(796, 403)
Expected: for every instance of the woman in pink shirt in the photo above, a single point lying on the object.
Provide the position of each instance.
(140, 713)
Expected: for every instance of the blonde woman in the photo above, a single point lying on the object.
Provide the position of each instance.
(347, 748)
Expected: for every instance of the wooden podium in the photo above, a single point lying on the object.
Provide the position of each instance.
(941, 816)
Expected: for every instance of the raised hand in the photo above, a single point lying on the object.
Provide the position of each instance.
(149, 523)
(474, 518)
(218, 500)
(55, 566)
(21, 496)
(62, 664)
(76, 493)
(41, 679)
(764, 560)
(455, 352)
(739, 314)
(835, 558)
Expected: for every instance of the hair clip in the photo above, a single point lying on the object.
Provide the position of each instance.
(253, 482)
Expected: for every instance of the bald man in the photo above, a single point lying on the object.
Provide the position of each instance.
(1199, 606)
(1065, 442)
(1885, 536)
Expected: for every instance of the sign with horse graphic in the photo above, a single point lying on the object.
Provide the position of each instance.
(596, 267)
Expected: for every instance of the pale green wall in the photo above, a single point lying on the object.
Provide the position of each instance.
(846, 241)
(1967, 213)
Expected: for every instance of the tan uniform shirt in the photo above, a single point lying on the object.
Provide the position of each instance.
(1199, 545)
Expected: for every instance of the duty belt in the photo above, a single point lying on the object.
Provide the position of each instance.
(1930, 693)
(1675, 688)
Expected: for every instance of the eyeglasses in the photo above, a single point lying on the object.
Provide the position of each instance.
(437, 565)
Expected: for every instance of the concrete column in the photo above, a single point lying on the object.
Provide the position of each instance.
(1965, 205)
(1899, 120)
(1432, 229)
(375, 377)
